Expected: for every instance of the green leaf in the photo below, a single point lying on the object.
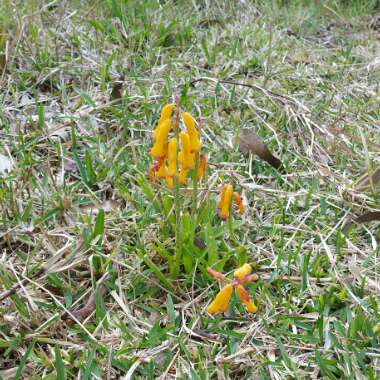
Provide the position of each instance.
(88, 369)
(171, 313)
(87, 98)
(59, 367)
(99, 224)
(23, 361)
(100, 309)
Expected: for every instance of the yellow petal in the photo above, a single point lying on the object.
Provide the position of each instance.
(161, 173)
(185, 157)
(242, 272)
(221, 301)
(225, 201)
(166, 112)
(172, 156)
(195, 143)
(159, 148)
(169, 181)
(183, 176)
(246, 299)
(160, 124)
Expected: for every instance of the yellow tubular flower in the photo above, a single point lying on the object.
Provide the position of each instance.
(195, 143)
(225, 201)
(169, 181)
(202, 167)
(182, 176)
(172, 157)
(166, 113)
(239, 202)
(221, 301)
(242, 272)
(246, 299)
(185, 157)
(159, 148)
(161, 172)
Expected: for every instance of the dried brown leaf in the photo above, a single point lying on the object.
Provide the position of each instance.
(89, 307)
(365, 218)
(117, 89)
(250, 142)
(107, 206)
(367, 181)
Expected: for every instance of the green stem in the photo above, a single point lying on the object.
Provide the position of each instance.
(195, 187)
(177, 207)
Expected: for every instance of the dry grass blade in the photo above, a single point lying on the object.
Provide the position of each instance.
(250, 142)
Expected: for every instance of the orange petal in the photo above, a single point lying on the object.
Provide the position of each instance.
(217, 275)
(239, 202)
(202, 167)
(221, 301)
(152, 173)
(246, 299)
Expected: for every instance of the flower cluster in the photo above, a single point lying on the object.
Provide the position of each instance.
(171, 154)
(225, 201)
(222, 299)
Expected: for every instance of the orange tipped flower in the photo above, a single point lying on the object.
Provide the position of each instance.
(195, 142)
(239, 202)
(172, 157)
(225, 201)
(159, 148)
(242, 275)
(242, 272)
(221, 301)
(202, 167)
(224, 204)
(246, 299)
(185, 157)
